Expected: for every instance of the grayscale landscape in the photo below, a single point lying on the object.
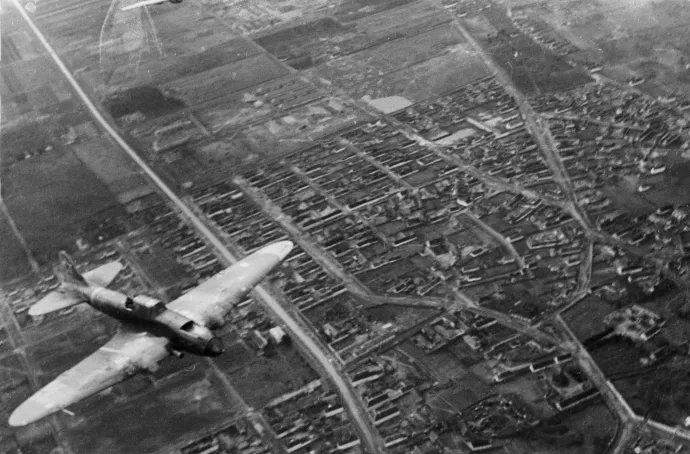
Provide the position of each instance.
(489, 202)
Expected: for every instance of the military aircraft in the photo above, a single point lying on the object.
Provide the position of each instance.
(143, 3)
(150, 330)
(148, 3)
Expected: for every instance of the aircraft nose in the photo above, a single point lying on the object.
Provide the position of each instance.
(214, 347)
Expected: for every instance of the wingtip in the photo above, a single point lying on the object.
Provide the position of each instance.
(29, 412)
(115, 266)
(34, 311)
(15, 421)
(280, 249)
(142, 4)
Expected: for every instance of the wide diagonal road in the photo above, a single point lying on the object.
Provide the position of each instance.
(363, 425)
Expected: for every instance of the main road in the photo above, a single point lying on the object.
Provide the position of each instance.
(364, 426)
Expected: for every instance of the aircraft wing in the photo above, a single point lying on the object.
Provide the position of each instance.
(130, 351)
(208, 303)
(103, 275)
(142, 4)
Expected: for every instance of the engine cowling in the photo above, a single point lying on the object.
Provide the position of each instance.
(192, 335)
(215, 318)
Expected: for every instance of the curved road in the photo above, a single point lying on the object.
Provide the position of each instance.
(370, 440)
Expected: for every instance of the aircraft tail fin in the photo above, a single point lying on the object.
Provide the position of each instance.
(73, 285)
(67, 271)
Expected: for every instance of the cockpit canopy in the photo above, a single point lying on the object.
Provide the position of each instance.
(144, 306)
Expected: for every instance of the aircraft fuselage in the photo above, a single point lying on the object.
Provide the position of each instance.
(154, 316)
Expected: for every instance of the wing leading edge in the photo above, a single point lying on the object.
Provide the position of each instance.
(208, 303)
(130, 351)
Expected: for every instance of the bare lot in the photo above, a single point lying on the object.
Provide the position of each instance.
(14, 260)
(662, 394)
(203, 87)
(113, 168)
(268, 378)
(185, 404)
(51, 197)
(401, 53)
(456, 67)
(586, 318)
(355, 9)
(586, 431)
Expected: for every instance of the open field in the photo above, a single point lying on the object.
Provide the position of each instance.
(625, 197)
(618, 356)
(187, 403)
(68, 35)
(586, 317)
(454, 68)
(268, 378)
(237, 356)
(186, 29)
(307, 44)
(27, 75)
(444, 365)
(299, 127)
(30, 138)
(161, 267)
(14, 261)
(586, 431)
(5, 345)
(403, 317)
(148, 100)
(228, 52)
(301, 44)
(355, 9)
(223, 156)
(231, 111)
(203, 87)
(260, 17)
(535, 69)
(400, 53)
(403, 20)
(51, 197)
(480, 26)
(674, 188)
(141, 46)
(270, 98)
(114, 168)
(662, 394)
(532, 67)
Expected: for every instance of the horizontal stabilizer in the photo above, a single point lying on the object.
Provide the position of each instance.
(55, 301)
(103, 275)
